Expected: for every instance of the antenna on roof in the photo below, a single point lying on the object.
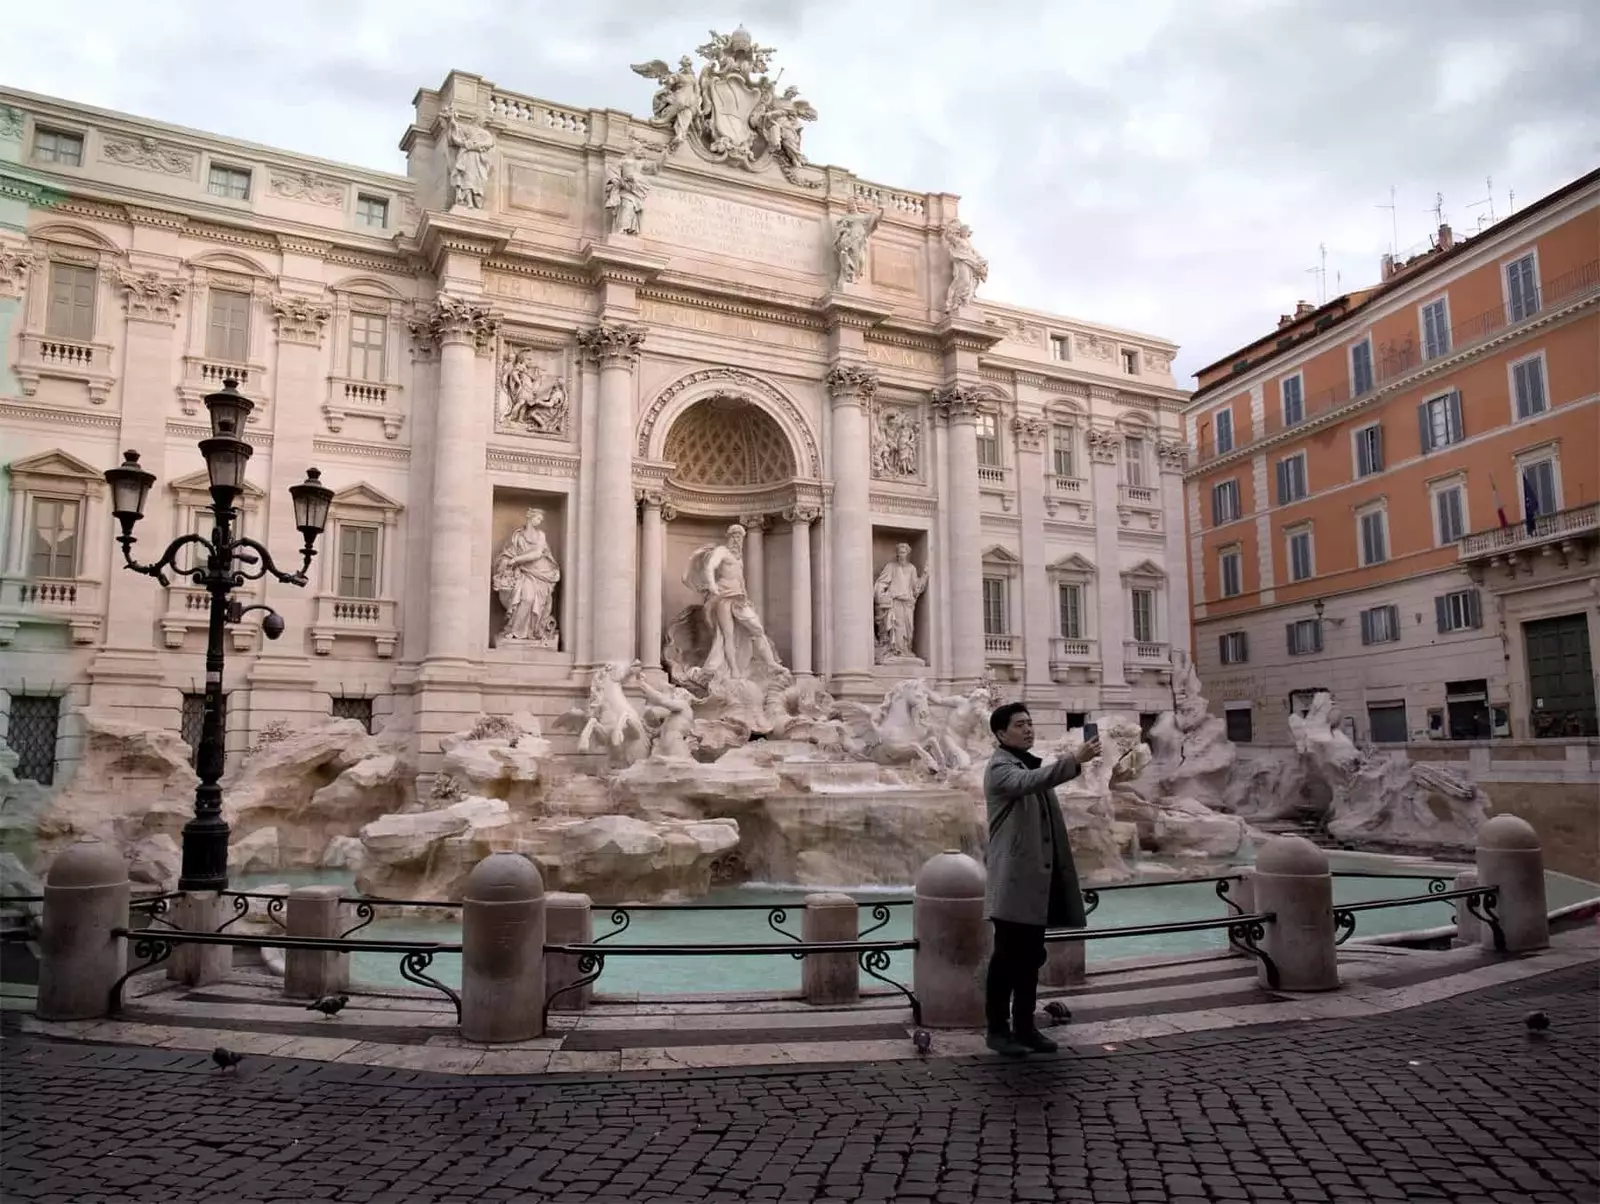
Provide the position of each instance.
(1489, 201)
(1394, 221)
(1511, 199)
(1321, 273)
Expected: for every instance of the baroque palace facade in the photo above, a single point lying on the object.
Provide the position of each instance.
(645, 330)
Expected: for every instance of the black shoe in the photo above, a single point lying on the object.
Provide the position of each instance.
(1004, 1044)
(1035, 1041)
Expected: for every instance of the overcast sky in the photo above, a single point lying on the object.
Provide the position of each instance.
(1166, 165)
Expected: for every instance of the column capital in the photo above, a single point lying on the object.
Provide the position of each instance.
(452, 319)
(1031, 433)
(753, 522)
(300, 319)
(801, 516)
(612, 344)
(850, 384)
(1102, 446)
(152, 296)
(16, 264)
(1174, 457)
(650, 499)
(957, 402)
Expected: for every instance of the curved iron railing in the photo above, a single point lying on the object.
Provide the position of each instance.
(621, 915)
(1091, 894)
(1245, 932)
(1480, 900)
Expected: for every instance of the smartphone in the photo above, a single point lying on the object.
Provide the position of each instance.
(1091, 731)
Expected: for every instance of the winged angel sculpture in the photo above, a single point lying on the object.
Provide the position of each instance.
(731, 108)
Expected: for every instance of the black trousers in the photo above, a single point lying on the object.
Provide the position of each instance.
(1013, 983)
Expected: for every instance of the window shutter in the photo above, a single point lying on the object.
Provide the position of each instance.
(1216, 506)
(1423, 429)
(1377, 449)
(1474, 609)
(1289, 634)
(1244, 646)
(1394, 622)
(1316, 636)
(1441, 613)
(1222, 649)
(1458, 430)
(1283, 481)
(1366, 627)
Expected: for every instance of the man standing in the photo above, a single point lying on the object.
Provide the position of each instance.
(1033, 882)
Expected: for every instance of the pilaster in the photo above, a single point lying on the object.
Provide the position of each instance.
(1173, 459)
(1114, 620)
(851, 388)
(958, 405)
(1037, 603)
(615, 348)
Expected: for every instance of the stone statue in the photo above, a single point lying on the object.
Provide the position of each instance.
(677, 102)
(627, 188)
(469, 160)
(894, 596)
(535, 399)
(525, 577)
(610, 715)
(738, 638)
(966, 728)
(850, 235)
(894, 443)
(672, 710)
(968, 269)
(777, 119)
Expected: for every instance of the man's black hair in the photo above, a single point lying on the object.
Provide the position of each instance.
(1000, 718)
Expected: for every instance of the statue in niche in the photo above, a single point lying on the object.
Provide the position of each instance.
(895, 596)
(894, 443)
(968, 269)
(677, 101)
(627, 188)
(850, 235)
(738, 637)
(469, 160)
(536, 399)
(672, 710)
(524, 579)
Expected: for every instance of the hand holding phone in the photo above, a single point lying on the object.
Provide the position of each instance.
(1091, 731)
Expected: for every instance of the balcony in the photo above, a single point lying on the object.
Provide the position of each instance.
(363, 400)
(203, 374)
(1069, 658)
(1560, 533)
(374, 619)
(45, 358)
(50, 601)
(1073, 487)
(1146, 654)
(189, 609)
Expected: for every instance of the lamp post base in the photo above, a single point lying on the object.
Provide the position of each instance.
(205, 854)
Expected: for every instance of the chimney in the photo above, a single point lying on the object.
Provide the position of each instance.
(1386, 267)
(1447, 238)
(1284, 320)
(1302, 308)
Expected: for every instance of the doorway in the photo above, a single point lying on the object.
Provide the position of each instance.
(1560, 678)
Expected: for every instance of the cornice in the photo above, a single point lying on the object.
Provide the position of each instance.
(161, 219)
(542, 270)
(851, 312)
(903, 338)
(361, 451)
(621, 265)
(902, 503)
(739, 309)
(968, 336)
(57, 416)
(199, 430)
(547, 463)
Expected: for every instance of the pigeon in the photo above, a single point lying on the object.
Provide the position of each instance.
(1537, 1022)
(328, 1005)
(226, 1059)
(923, 1040)
(1058, 1012)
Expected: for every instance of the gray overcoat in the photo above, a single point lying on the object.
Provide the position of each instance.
(1023, 861)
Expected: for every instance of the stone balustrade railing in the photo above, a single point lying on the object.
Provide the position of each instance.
(1547, 528)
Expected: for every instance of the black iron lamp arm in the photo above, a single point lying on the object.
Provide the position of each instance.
(265, 563)
(168, 560)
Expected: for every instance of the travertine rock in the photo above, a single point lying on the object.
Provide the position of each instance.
(257, 851)
(500, 757)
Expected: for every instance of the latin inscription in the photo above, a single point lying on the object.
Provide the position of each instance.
(732, 325)
(540, 189)
(530, 288)
(730, 228)
(895, 268)
(902, 357)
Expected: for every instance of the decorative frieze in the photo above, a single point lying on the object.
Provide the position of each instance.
(610, 343)
(10, 123)
(456, 319)
(147, 154)
(300, 319)
(151, 296)
(1093, 345)
(308, 187)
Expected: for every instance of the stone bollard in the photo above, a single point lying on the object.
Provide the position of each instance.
(828, 978)
(569, 920)
(312, 973)
(1242, 894)
(1064, 964)
(1470, 930)
(1292, 881)
(85, 897)
(502, 950)
(198, 965)
(953, 941)
(1510, 860)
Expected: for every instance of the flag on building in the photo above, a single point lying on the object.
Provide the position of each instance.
(1499, 510)
(1530, 500)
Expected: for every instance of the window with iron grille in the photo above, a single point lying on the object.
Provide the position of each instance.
(359, 709)
(1241, 724)
(194, 720)
(34, 725)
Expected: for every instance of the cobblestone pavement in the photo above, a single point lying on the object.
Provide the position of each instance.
(1449, 1102)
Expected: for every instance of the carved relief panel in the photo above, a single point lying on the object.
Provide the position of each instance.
(533, 393)
(896, 442)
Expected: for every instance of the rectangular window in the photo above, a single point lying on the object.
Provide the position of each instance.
(1241, 724)
(1522, 288)
(230, 182)
(1130, 361)
(1527, 378)
(1539, 479)
(1133, 461)
(372, 211)
(1361, 368)
(1224, 431)
(988, 441)
(1380, 625)
(368, 336)
(194, 720)
(1232, 574)
(1224, 503)
(228, 328)
(53, 544)
(1300, 567)
(1060, 347)
(1435, 330)
(1374, 528)
(359, 709)
(996, 616)
(358, 561)
(1070, 600)
(32, 731)
(1387, 722)
(1294, 400)
(1292, 479)
(53, 146)
(1143, 602)
(1439, 421)
(1234, 648)
(1061, 451)
(1458, 611)
(1369, 450)
(1305, 637)
(1450, 509)
(71, 313)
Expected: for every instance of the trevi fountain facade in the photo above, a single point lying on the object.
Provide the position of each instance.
(691, 508)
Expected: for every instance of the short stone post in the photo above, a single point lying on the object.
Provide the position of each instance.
(953, 941)
(1469, 929)
(1242, 894)
(85, 897)
(1511, 861)
(502, 950)
(569, 920)
(1064, 964)
(830, 978)
(198, 965)
(314, 911)
(1292, 881)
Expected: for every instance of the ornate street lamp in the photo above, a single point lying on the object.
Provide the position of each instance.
(230, 561)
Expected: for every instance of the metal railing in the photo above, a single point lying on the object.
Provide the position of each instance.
(1245, 932)
(1480, 901)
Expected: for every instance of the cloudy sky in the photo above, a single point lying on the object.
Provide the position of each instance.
(1166, 165)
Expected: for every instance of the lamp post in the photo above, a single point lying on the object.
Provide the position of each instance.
(230, 561)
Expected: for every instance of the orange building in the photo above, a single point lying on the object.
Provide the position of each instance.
(1396, 496)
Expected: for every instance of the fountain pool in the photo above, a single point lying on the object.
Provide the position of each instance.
(1167, 899)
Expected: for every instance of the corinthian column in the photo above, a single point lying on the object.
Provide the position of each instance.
(850, 523)
(958, 405)
(655, 513)
(755, 559)
(611, 556)
(1112, 606)
(463, 329)
(1174, 458)
(1037, 600)
(800, 599)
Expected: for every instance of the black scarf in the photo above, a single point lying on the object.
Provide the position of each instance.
(1026, 757)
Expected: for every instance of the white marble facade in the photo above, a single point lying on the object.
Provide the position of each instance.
(641, 329)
